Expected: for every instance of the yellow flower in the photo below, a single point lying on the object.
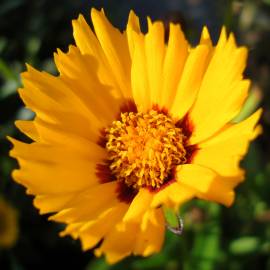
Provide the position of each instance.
(129, 125)
(9, 228)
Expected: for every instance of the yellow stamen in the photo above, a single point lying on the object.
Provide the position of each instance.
(144, 148)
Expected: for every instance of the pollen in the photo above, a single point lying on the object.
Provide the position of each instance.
(144, 148)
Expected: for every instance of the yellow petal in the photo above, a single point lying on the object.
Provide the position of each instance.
(80, 210)
(72, 130)
(118, 243)
(72, 230)
(219, 191)
(59, 104)
(133, 30)
(173, 195)
(154, 51)
(190, 81)
(139, 78)
(88, 44)
(51, 89)
(28, 128)
(85, 39)
(84, 151)
(246, 128)
(194, 176)
(138, 206)
(206, 183)
(79, 73)
(223, 158)
(92, 232)
(205, 37)
(42, 178)
(130, 239)
(151, 217)
(52, 203)
(48, 169)
(150, 240)
(224, 151)
(9, 225)
(174, 61)
(65, 124)
(113, 42)
(222, 91)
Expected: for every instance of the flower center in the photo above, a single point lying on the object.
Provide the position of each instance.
(144, 148)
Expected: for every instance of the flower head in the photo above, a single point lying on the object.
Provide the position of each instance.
(9, 228)
(131, 124)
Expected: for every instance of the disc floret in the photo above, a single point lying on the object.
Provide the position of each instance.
(144, 148)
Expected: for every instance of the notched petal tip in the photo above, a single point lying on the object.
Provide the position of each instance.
(95, 12)
(222, 37)
(26, 75)
(133, 22)
(205, 33)
(132, 17)
(257, 132)
(10, 138)
(229, 202)
(149, 22)
(16, 175)
(258, 129)
(11, 152)
(205, 37)
(223, 32)
(81, 17)
(28, 67)
(231, 39)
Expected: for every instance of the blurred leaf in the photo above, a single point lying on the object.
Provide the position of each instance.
(14, 263)
(206, 247)
(25, 114)
(248, 15)
(174, 222)
(10, 87)
(6, 167)
(98, 264)
(154, 262)
(6, 72)
(3, 43)
(266, 247)
(228, 14)
(10, 77)
(250, 105)
(9, 5)
(266, 2)
(244, 245)
(49, 66)
(32, 48)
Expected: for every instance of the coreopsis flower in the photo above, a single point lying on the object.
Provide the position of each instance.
(131, 124)
(9, 228)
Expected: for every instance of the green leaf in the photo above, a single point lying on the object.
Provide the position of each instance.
(156, 261)
(98, 264)
(250, 105)
(244, 245)
(266, 2)
(174, 222)
(170, 216)
(206, 252)
(6, 72)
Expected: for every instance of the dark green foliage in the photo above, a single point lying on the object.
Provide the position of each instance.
(215, 237)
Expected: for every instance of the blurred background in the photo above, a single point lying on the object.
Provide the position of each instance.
(215, 237)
